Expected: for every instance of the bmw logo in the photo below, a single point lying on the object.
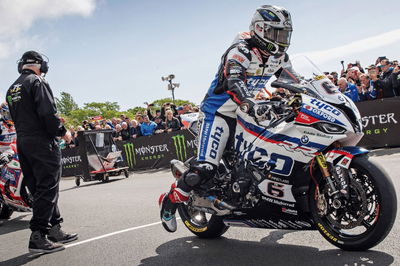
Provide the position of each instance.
(304, 139)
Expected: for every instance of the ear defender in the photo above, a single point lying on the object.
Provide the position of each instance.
(20, 64)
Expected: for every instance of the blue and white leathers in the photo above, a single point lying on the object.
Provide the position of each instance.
(242, 74)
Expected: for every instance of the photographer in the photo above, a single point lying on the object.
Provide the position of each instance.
(33, 111)
(387, 82)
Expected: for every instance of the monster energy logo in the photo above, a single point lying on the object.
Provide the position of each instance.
(130, 154)
(270, 46)
(180, 147)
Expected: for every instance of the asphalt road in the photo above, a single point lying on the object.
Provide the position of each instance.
(118, 224)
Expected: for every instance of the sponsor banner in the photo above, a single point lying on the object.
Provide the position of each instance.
(148, 152)
(157, 151)
(71, 162)
(380, 120)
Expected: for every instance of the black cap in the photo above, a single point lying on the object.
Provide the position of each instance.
(32, 57)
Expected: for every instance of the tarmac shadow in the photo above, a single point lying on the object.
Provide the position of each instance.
(13, 225)
(20, 260)
(223, 251)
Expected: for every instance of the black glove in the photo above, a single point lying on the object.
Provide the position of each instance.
(260, 111)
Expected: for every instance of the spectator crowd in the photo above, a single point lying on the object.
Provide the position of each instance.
(379, 80)
(165, 119)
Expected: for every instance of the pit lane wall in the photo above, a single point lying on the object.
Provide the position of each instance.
(380, 120)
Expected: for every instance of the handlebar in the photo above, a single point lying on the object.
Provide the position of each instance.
(295, 89)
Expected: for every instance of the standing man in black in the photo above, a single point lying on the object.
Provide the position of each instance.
(33, 111)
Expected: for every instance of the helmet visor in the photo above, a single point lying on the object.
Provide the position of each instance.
(279, 36)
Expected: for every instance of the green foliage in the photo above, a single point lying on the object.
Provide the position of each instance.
(66, 104)
(178, 102)
(132, 111)
(75, 115)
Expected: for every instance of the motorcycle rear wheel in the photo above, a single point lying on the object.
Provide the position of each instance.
(373, 199)
(5, 211)
(201, 224)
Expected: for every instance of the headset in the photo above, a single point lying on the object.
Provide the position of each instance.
(44, 64)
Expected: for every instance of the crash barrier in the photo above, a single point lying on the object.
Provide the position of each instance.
(146, 152)
(379, 118)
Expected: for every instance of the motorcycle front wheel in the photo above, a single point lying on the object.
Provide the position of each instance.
(364, 218)
(201, 224)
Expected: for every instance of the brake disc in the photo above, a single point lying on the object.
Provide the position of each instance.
(352, 217)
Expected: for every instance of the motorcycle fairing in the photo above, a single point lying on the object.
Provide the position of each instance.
(284, 142)
(10, 185)
(343, 156)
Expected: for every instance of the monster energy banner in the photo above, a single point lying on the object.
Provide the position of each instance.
(157, 151)
(380, 119)
(71, 162)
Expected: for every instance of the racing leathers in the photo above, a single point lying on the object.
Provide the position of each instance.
(243, 72)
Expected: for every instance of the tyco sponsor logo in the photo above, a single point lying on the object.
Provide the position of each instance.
(216, 136)
(130, 154)
(180, 147)
(322, 105)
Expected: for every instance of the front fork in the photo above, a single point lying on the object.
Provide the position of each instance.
(339, 175)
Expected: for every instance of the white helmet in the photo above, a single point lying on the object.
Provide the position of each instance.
(271, 29)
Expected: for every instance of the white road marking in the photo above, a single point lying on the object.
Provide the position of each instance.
(112, 234)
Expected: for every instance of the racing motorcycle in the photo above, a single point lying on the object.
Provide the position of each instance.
(297, 169)
(13, 196)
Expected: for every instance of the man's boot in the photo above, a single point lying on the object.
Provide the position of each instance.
(168, 204)
(56, 234)
(39, 243)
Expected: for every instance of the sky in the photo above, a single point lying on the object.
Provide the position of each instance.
(103, 50)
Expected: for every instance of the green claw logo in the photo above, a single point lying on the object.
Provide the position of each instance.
(180, 147)
(130, 154)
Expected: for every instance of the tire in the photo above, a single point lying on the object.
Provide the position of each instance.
(5, 211)
(105, 178)
(77, 181)
(210, 228)
(378, 207)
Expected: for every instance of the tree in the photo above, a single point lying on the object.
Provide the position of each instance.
(178, 102)
(66, 104)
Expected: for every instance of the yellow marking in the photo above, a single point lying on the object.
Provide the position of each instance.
(327, 233)
(195, 229)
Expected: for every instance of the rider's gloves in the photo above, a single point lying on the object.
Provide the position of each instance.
(260, 111)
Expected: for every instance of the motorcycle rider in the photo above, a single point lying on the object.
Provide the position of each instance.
(245, 68)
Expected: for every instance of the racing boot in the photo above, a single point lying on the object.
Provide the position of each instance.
(56, 234)
(39, 243)
(168, 205)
